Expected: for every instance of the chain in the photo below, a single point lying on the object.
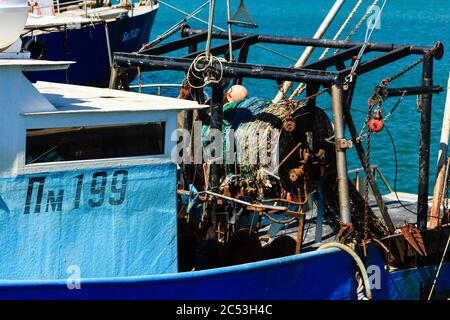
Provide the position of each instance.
(363, 134)
(372, 103)
(359, 24)
(293, 105)
(301, 87)
(386, 81)
(375, 99)
(313, 96)
(369, 31)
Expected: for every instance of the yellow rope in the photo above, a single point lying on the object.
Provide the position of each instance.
(301, 87)
(360, 22)
(344, 25)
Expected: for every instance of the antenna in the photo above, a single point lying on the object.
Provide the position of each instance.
(242, 18)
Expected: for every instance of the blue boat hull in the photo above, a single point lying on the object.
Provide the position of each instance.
(324, 274)
(87, 46)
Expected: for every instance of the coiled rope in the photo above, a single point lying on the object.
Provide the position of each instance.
(202, 69)
(358, 261)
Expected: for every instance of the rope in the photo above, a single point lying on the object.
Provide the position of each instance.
(212, 9)
(359, 263)
(223, 30)
(369, 31)
(207, 71)
(301, 87)
(360, 22)
(344, 25)
(439, 268)
(173, 28)
(397, 104)
(386, 81)
(276, 52)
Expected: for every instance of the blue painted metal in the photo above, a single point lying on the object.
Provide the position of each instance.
(107, 222)
(87, 46)
(405, 284)
(327, 274)
(317, 275)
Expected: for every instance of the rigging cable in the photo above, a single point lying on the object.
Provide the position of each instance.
(396, 170)
(369, 31)
(173, 28)
(360, 22)
(439, 269)
(301, 87)
(223, 30)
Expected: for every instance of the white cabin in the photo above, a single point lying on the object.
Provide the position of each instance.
(86, 178)
(34, 115)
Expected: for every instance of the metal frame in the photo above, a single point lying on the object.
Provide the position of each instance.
(314, 75)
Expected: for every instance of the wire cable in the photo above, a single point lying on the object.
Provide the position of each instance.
(396, 171)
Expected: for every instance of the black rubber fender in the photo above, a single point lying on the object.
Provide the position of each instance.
(35, 47)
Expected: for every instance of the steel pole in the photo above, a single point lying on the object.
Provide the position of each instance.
(216, 123)
(212, 6)
(442, 159)
(309, 50)
(424, 149)
(324, 43)
(341, 159)
(230, 36)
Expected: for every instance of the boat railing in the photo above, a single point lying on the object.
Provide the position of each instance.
(358, 177)
(157, 86)
(160, 86)
(65, 5)
(85, 4)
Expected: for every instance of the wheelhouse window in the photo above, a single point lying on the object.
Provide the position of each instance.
(96, 142)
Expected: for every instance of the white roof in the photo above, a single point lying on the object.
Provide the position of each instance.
(79, 99)
(35, 21)
(35, 65)
(74, 17)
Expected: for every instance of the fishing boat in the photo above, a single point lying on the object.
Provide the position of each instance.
(96, 204)
(86, 32)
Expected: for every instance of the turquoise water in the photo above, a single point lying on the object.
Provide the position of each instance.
(420, 22)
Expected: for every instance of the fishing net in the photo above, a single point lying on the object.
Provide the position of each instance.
(245, 118)
(242, 18)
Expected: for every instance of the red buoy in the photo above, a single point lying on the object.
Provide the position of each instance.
(377, 122)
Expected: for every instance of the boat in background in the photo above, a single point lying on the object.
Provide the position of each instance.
(87, 32)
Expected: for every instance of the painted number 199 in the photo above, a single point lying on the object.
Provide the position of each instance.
(98, 188)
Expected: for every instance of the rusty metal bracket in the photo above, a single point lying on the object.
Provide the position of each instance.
(345, 231)
(343, 144)
(414, 238)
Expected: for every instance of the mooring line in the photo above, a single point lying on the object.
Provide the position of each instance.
(439, 268)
